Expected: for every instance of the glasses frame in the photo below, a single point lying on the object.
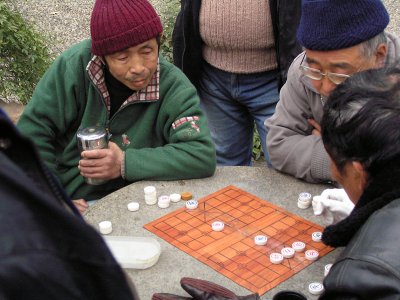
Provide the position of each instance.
(304, 69)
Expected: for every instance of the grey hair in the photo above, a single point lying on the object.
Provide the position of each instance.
(369, 47)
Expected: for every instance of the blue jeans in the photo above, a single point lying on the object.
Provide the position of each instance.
(232, 103)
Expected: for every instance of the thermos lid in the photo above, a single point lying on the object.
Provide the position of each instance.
(91, 133)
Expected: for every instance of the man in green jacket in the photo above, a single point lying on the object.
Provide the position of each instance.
(118, 80)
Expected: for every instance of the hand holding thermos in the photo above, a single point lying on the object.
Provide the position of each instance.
(101, 159)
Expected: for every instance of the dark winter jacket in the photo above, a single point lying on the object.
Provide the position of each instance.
(187, 42)
(47, 250)
(369, 266)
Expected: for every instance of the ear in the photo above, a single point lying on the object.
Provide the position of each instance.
(380, 55)
(360, 174)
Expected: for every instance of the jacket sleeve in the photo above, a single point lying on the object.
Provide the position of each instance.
(188, 151)
(360, 279)
(291, 146)
(52, 110)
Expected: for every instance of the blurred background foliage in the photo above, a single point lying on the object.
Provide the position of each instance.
(24, 56)
(168, 11)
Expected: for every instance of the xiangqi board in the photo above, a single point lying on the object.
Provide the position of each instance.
(232, 251)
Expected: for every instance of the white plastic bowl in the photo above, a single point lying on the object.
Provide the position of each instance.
(134, 252)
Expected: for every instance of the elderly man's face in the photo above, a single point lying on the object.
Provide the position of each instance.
(135, 66)
(344, 61)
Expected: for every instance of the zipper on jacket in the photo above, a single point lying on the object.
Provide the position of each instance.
(119, 109)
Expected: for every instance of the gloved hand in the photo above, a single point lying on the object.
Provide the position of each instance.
(333, 205)
(204, 290)
(165, 296)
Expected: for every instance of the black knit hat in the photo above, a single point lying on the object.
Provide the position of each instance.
(337, 24)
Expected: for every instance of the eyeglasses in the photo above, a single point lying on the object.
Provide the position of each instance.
(316, 74)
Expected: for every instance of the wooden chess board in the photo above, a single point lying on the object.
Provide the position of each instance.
(232, 252)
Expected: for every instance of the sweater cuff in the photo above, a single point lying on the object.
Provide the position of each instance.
(320, 164)
(123, 166)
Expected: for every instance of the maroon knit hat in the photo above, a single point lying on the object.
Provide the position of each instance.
(116, 25)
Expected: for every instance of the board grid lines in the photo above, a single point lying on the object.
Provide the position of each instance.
(232, 252)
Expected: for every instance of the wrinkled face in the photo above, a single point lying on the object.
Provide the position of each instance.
(136, 65)
(352, 178)
(344, 61)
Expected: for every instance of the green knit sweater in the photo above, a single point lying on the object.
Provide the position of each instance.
(156, 146)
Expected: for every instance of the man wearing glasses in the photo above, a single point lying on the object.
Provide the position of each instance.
(339, 38)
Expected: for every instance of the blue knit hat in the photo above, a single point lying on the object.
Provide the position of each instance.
(337, 24)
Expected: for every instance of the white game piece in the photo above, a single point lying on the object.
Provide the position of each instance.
(150, 195)
(260, 240)
(316, 236)
(175, 197)
(217, 225)
(312, 254)
(303, 205)
(133, 206)
(162, 205)
(287, 252)
(276, 258)
(191, 204)
(149, 190)
(305, 197)
(327, 268)
(150, 200)
(304, 201)
(105, 227)
(316, 288)
(164, 198)
(163, 201)
(298, 246)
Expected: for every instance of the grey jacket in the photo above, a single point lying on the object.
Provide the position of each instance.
(291, 146)
(369, 267)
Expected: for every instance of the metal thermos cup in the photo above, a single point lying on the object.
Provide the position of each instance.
(89, 138)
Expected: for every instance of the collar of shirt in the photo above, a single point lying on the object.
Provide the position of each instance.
(95, 70)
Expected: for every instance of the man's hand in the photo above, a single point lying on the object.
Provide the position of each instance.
(81, 205)
(333, 205)
(102, 163)
(316, 127)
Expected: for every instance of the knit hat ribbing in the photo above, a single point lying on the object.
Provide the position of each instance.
(338, 24)
(116, 25)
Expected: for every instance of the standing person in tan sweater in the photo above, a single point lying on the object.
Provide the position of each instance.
(236, 53)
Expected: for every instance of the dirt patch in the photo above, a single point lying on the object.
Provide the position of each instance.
(14, 110)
